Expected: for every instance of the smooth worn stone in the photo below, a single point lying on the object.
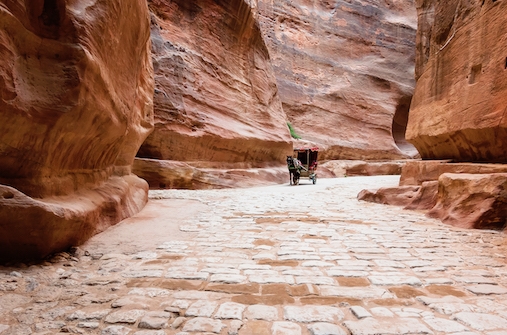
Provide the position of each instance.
(323, 328)
(234, 327)
(201, 324)
(228, 278)
(84, 316)
(481, 321)
(115, 330)
(202, 308)
(382, 312)
(395, 280)
(444, 325)
(88, 325)
(452, 308)
(178, 322)
(446, 299)
(230, 310)
(355, 292)
(371, 326)
(153, 322)
(485, 289)
(129, 317)
(306, 314)
(261, 312)
(272, 279)
(150, 332)
(285, 328)
(360, 312)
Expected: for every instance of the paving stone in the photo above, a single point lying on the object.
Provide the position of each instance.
(230, 310)
(182, 304)
(228, 278)
(323, 328)
(154, 322)
(272, 279)
(88, 325)
(87, 316)
(202, 308)
(371, 326)
(446, 299)
(201, 324)
(130, 317)
(355, 292)
(318, 264)
(444, 325)
(178, 322)
(3, 328)
(474, 280)
(317, 280)
(306, 314)
(285, 328)
(360, 312)
(394, 280)
(116, 330)
(150, 332)
(389, 263)
(187, 275)
(382, 312)
(234, 327)
(261, 312)
(486, 289)
(452, 308)
(342, 273)
(481, 321)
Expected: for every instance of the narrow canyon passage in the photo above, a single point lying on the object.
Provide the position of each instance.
(307, 259)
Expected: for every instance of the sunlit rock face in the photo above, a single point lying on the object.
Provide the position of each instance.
(345, 71)
(216, 98)
(76, 89)
(459, 107)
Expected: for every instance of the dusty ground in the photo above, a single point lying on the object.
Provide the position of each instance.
(306, 259)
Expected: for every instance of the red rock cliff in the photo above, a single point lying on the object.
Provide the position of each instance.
(459, 107)
(76, 88)
(345, 71)
(216, 98)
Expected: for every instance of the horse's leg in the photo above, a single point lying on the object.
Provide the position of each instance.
(290, 177)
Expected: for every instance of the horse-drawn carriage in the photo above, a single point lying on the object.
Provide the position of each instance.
(303, 163)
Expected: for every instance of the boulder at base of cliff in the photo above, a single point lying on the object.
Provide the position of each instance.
(472, 201)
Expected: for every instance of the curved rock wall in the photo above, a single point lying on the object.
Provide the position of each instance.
(216, 97)
(459, 106)
(76, 88)
(344, 69)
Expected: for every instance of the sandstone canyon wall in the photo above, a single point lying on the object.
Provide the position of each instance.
(457, 118)
(459, 106)
(217, 108)
(216, 99)
(345, 71)
(76, 88)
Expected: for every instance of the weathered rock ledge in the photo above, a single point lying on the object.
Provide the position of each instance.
(460, 194)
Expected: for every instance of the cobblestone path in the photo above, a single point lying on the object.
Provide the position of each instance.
(281, 260)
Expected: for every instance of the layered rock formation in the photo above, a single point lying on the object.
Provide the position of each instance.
(216, 98)
(76, 88)
(345, 70)
(459, 106)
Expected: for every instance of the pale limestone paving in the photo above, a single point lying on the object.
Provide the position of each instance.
(230, 310)
(285, 328)
(131, 316)
(360, 312)
(370, 326)
(481, 321)
(306, 314)
(297, 255)
(202, 308)
(201, 324)
(322, 328)
(261, 312)
(444, 325)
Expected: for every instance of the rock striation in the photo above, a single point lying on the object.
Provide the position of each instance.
(459, 105)
(76, 88)
(345, 71)
(216, 98)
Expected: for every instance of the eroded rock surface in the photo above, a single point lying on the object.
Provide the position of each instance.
(459, 105)
(216, 97)
(76, 88)
(345, 71)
